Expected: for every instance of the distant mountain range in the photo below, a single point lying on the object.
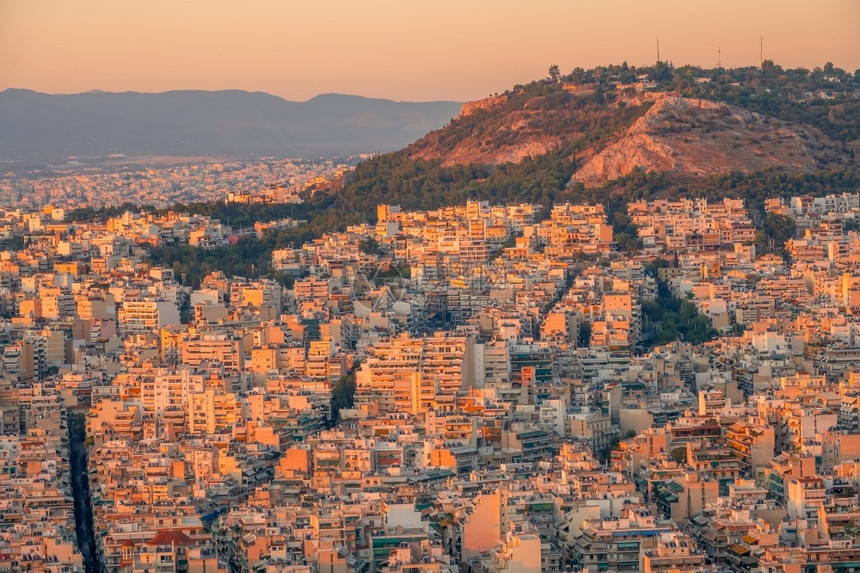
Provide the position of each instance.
(37, 128)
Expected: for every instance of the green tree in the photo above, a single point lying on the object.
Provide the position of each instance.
(554, 73)
(284, 278)
(583, 340)
(774, 232)
(669, 318)
(654, 266)
(679, 455)
(370, 246)
(628, 243)
(342, 395)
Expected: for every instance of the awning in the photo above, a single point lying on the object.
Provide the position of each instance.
(740, 549)
(749, 539)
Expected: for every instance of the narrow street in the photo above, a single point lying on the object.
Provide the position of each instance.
(81, 491)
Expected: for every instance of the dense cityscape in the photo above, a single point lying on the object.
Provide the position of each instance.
(475, 388)
(75, 186)
(429, 286)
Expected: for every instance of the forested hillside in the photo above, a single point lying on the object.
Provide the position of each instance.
(810, 117)
(558, 126)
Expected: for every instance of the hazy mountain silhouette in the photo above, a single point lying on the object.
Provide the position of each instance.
(37, 127)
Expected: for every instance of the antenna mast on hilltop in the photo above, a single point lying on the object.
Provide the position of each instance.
(658, 49)
(761, 51)
(719, 59)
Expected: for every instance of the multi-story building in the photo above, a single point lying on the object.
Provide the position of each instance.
(146, 315)
(617, 543)
(416, 374)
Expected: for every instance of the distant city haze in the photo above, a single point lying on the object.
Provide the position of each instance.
(415, 51)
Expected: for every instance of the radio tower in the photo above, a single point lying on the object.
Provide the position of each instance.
(761, 51)
(719, 59)
(658, 49)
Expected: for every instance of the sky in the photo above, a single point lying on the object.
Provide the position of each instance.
(411, 50)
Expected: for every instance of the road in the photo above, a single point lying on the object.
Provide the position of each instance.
(81, 491)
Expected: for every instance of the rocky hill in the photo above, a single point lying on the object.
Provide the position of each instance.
(527, 123)
(660, 132)
(592, 137)
(699, 137)
(502, 134)
(614, 134)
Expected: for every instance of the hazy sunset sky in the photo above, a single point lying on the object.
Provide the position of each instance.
(398, 49)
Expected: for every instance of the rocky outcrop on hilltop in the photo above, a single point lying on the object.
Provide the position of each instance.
(699, 137)
(661, 132)
(512, 127)
(471, 107)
